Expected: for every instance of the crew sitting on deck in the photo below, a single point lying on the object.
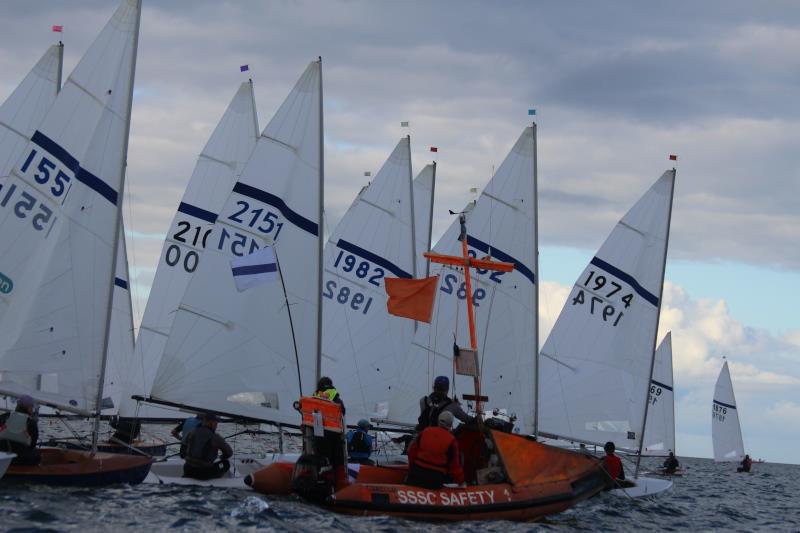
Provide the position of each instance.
(671, 464)
(202, 448)
(19, 433)
(359, 443)
(433, 457)
(437, 402)
(613, 466)
(330, 445)
(746, 464)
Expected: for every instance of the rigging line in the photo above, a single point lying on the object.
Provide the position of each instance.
(291, 324)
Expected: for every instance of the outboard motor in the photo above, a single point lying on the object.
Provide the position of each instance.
(312, 477)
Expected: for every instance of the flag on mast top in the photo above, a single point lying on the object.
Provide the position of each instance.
(673, 157)
(531, 112)
(434, 149)
(244, 68)
(404, 124)
(367, 173)
(58, 28)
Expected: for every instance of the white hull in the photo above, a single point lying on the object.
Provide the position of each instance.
(170, 472)
(644, 487)
(5, 460)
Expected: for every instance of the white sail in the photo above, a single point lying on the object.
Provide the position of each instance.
(726, 433)
(218, 167)
(231, 351)
(595, 365)
(501, 225)
(424, 186)
(363, 345)
(59, 217)
(659, 429)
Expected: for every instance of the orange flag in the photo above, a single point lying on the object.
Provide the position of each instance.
(411, 298)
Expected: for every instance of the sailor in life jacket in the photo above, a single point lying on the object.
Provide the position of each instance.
(436, 402)
(202, 448)
(359, 443)
(19, 432)
(327, 391)
(613, 466)
(433, 457)
(331, 445)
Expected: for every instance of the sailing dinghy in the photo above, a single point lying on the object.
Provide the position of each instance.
(597, 362)
(59, 229)
(726, 432)
(245, 350)
(659, 428)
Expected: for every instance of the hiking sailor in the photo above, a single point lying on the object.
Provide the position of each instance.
(437, 402)
(359, 443)
(19, 433)
(201, 449)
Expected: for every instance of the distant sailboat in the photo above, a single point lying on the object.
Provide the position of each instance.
(726, 433)
(249, 353)
(424, 189)
(659, 429)
(59, 228)
(597, 362)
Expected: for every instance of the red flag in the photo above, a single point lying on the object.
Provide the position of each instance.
(58, 28)
(673, 157)
(411, 298)
(434, 149)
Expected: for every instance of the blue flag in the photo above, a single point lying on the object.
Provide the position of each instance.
(244, 68)
(531, 111)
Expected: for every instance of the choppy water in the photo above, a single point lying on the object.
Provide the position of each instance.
(709, 497)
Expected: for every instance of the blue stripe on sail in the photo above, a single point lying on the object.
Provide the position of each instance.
(121, 283)
(81, 174)
(251, 270)
(501, 256)
(372, 258)
(725, 404)
(627, 278)
(197, 212)
(657, 384)
(268, 198)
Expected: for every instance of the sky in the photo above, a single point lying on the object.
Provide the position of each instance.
(617, 87)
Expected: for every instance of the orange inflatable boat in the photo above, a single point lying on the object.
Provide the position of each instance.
(527, 481)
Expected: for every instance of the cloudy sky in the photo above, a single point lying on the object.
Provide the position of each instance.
(617, 87)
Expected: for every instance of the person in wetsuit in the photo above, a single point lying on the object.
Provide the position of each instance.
(433, 457)
(202, 449)
(19, 433)
(671, 464)
(613, 466)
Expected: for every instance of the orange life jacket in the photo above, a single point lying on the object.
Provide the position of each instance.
(435, 449)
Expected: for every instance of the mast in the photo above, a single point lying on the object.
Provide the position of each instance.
(60, 66)
(123, 167)
(255, 113)
(537, 280)
(321, 229)
(430, 221)
(655, 335)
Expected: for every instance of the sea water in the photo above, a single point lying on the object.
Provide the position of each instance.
(709, 497)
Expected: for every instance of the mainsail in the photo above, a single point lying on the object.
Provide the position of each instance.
(726, 433)
(501, 225)
(362, 345)
(59, 224)
(230, 351)
(596, 362)
(424, 187)
(218, 167)
(659, 429)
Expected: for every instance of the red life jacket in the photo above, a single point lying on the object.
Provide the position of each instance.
(613, 466)
(435, 449)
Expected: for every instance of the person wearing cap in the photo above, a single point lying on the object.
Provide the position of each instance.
(433, 457)
(19, 433)
(202, 449)
(330, 445)
(437, 402)
(359, 443)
